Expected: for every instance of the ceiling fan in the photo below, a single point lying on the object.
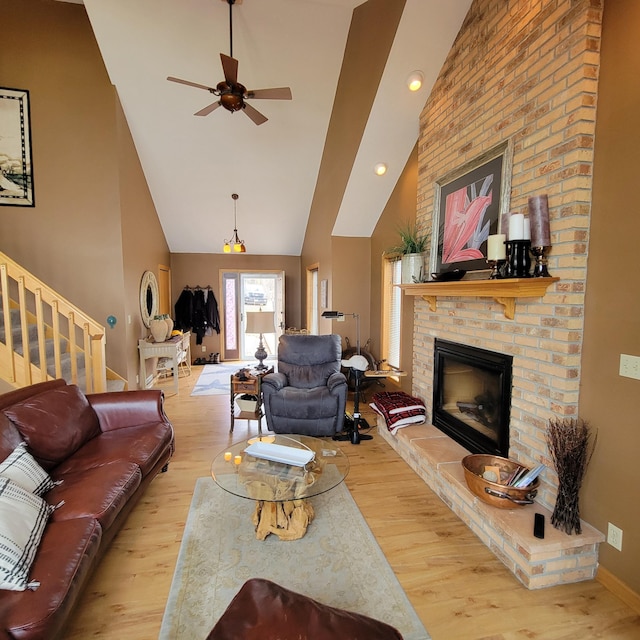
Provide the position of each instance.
(232, 94)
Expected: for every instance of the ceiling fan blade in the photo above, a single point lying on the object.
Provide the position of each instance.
(254, 114)
(281, 93)
(191, 84)
(230, 68)
(207, 110)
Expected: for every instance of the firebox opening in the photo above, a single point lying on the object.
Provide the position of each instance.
(472, 396)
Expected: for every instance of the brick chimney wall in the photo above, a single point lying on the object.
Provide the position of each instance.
(524, 71)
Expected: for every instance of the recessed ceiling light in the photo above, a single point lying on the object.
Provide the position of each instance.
(380, 169)
(415, 80)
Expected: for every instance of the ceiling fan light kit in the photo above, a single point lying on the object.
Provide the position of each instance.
(233, 95)
(234, 243)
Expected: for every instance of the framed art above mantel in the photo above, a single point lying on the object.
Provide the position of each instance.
(468, 207)
(16, 170)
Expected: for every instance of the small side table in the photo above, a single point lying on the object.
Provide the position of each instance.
(251, 386)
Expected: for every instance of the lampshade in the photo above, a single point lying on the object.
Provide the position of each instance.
(260, 322)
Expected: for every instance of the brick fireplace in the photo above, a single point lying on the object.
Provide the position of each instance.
(524, 73)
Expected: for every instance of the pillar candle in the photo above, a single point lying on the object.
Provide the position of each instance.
(527, 228)
(539, 215)
(516, 226)
(496, 249)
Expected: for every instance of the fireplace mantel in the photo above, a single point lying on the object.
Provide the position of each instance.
(504, 292)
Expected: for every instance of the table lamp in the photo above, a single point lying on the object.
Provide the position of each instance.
(260, 322)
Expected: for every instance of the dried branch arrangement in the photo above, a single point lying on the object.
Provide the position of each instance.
(571, 446)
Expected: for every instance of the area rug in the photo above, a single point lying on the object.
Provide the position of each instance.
(337, 562)
(214, 379)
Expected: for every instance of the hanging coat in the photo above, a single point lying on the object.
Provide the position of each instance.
(184, 311)
(199, 316)
(212, 315)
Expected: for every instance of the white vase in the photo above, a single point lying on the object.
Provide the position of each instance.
(169, 321)
(158, 329)
(412, 267)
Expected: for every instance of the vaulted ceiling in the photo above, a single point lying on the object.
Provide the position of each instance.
(193, 164)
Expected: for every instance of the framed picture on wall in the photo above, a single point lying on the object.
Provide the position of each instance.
(468, 207)
(16, 170)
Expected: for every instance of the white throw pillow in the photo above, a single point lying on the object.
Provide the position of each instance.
(21, 467)
(23, 517)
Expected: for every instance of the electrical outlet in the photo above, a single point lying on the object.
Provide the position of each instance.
(630, 366)
(204, 348)
(614, 536)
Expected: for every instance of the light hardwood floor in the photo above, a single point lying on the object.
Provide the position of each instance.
(457, 586)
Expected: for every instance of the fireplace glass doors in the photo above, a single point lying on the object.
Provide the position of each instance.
(472, 396)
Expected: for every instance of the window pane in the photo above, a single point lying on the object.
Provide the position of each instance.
(314, 303)
(230, 297)
(395, 307)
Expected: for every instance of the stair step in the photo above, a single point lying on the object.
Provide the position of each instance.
(34, 352)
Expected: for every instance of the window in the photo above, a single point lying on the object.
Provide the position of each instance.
(392, 310)
(312, 299)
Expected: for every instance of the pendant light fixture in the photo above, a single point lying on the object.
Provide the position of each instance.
(234, 245)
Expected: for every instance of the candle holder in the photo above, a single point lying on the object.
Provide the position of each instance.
(519, 258)
(540, 268)
(496, 269)
(506, 268)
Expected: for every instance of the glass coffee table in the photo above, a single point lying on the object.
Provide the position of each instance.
(280, 472)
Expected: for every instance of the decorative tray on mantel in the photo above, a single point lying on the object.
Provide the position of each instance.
(280, 453)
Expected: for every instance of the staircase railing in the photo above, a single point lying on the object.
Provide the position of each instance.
(74, 336)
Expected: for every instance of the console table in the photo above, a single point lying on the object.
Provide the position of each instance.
(175, 352)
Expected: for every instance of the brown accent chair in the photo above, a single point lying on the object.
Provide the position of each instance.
(263, 610)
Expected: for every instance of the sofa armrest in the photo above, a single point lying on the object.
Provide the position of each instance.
(121, 409)
(335, 381)
(275, 380)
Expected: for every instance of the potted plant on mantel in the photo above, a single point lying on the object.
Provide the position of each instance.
(412, 247)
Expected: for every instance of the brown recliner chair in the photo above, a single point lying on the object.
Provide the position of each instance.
(308, 393)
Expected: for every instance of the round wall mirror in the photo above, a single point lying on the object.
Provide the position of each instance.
(148, 297)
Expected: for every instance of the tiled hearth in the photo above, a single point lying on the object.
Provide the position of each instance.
(558, 559)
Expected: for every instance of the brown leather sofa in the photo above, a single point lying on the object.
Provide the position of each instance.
(105, 448)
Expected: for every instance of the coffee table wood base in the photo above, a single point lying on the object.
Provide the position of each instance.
(287, 520)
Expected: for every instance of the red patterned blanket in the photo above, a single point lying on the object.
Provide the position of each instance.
(398, 408)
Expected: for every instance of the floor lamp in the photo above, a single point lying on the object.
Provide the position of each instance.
(358, 365)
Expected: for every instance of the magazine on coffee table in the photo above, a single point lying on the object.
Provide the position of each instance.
(280, 453)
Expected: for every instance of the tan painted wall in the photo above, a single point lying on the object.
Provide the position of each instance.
(612, 311)
(143, 243)
(89, 190)
(400, 208)
(371, 34)
(192, 269)
(351, 268)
